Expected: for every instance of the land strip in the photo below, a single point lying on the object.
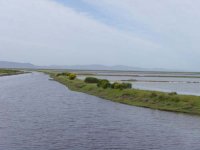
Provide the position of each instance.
(149, 99)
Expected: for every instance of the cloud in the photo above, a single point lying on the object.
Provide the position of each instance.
(174, 24)
(46, 32)
(143, 33)
(166, 19)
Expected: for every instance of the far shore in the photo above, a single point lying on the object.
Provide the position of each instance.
(159, 76)
(9, 72)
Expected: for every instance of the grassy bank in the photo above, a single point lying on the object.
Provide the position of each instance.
(6, 72)
(142, 98)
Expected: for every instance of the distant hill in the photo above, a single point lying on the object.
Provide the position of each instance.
(95, 67)
(6, 64)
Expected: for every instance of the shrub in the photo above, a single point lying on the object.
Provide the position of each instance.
(121, 86)
(116, 85)
(72, 76)
(91, 80)
(172, 93)
(127, 85)
(63, 74)
(153, 95)
(104, 84)
(58, 74)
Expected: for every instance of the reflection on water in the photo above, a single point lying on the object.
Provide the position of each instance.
(39, 114)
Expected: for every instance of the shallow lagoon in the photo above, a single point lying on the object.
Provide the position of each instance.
(185, 83)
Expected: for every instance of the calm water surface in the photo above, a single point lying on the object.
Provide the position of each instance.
(39, 114)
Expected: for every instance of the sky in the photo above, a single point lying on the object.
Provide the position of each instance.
(138, 33)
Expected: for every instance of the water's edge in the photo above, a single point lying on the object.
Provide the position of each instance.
(13, 74)
(138, 103)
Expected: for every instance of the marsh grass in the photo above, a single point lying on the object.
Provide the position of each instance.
(150, 99)
(4, 72)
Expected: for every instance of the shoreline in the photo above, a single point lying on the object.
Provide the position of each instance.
(142, 98)
(121, 75)
(4, 73)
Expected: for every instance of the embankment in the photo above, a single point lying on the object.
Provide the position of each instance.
(149, 99)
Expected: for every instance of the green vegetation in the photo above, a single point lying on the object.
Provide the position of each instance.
(121, 86)
(104, 84)
(72, 76)
(5, 72)
(149, 99)
(91, 80)
(116, 85)
(63, 74)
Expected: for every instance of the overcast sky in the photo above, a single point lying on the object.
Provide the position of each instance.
(140, 33)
